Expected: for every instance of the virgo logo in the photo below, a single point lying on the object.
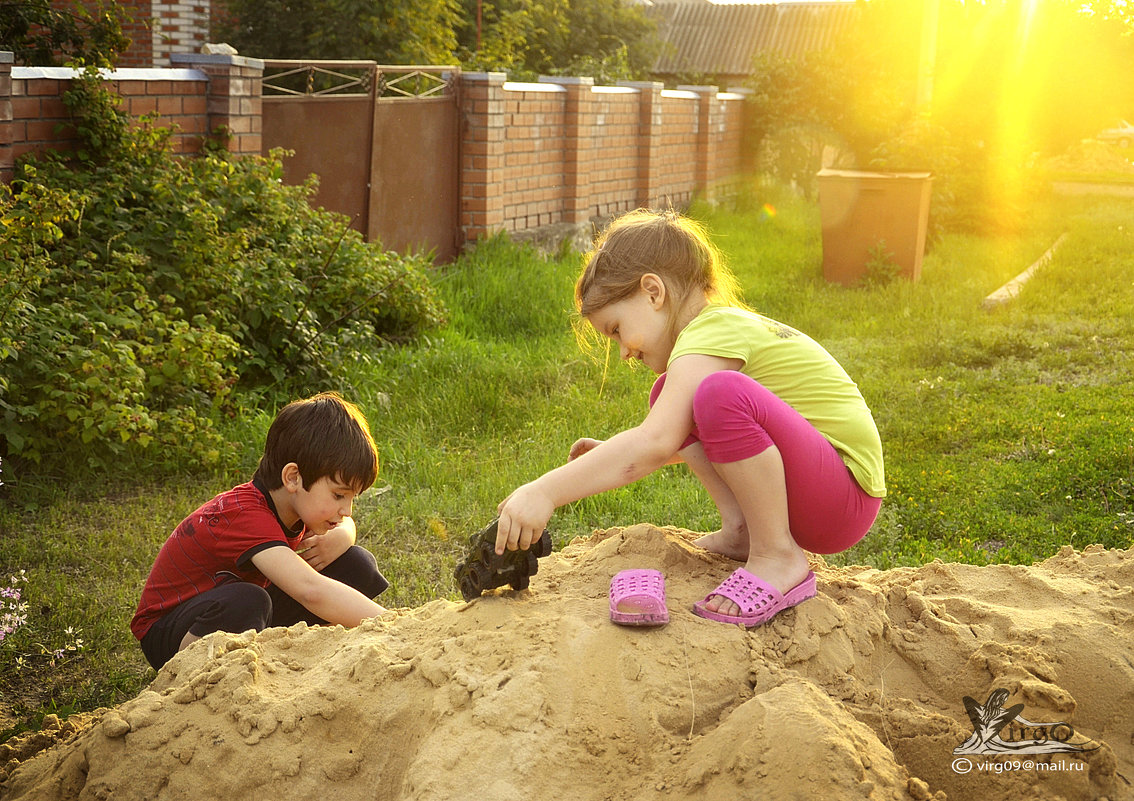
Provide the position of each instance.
(997, 730)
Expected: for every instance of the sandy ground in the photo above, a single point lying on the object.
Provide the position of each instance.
(856, 694)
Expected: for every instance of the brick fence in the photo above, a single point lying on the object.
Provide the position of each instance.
(202, 95)
(564, 151)
(560, 152)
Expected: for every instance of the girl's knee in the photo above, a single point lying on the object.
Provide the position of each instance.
(723, 391)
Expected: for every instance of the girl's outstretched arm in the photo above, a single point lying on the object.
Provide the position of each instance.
(620, 460)
(586, 444)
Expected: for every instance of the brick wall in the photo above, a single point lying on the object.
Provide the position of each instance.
(137, 28)
(614, 185)
(157, 30)
(193, 100)
(534, 146)
(563, 151)
(677, 149)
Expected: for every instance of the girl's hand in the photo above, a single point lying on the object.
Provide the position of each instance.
(523, 517)
(582, 446)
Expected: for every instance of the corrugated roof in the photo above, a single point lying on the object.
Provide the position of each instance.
(712, 39)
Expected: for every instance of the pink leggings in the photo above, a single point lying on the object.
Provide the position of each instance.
(735, 417)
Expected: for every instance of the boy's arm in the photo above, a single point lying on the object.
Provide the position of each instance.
(331, 600)
(319, 550)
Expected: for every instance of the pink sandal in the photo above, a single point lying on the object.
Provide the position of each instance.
(759, 601)
(643, 593)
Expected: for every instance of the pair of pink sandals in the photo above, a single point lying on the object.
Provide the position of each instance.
(637, 598)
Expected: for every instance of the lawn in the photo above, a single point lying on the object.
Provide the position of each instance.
(1008, 434)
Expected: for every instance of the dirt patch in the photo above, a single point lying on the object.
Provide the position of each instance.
(856, 694)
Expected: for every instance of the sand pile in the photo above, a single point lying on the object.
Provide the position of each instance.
(856, 694)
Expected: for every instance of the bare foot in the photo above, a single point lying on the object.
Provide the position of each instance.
(782, 572)
(730, 541)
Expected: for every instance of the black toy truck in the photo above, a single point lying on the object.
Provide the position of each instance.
(484, 570)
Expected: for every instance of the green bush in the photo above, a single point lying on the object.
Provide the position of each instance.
(141, 290)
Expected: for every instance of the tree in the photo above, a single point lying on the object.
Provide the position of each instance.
(386, 31)
(605, 39)
(1013, 80)
(42, 33)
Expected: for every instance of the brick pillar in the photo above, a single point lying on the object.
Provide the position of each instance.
(482, 155)
(708, 126)
(579, 158)
(7, 158)
(234, 101)
(649, 141)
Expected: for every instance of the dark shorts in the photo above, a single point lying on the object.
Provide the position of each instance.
(240, 605)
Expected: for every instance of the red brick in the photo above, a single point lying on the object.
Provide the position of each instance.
(40, 87)
(169, 106)
(27, 108)
(137, 106)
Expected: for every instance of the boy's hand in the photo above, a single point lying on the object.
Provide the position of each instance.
(523, 517)
(582, 446)
(319, 550)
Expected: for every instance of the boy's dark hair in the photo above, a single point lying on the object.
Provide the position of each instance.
(326, 436)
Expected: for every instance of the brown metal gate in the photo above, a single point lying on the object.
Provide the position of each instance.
(383, 141)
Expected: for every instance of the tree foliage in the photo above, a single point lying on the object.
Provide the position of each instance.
(609, 39)
(606, 39)
(1011, 81)
(386, 31)
(43, 33)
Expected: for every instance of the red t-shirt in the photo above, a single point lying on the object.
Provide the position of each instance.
(212, 546)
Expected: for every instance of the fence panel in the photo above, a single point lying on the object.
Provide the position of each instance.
(413, 175)
(381, 139)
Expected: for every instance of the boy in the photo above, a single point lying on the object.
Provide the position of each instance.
(277, 550)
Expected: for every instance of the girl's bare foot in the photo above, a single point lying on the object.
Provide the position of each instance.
(730, 541)
(782, 571)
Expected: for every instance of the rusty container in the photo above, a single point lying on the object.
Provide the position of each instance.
(867, 214)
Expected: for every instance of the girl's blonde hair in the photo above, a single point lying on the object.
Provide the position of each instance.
(674, 247)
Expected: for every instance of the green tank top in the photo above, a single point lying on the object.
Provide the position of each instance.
(799, 371)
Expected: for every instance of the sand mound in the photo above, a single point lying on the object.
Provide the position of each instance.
(858, 693)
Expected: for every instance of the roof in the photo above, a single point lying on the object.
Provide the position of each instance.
(710, 39)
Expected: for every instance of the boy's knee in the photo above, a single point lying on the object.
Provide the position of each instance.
(358, 569)
(244, 606)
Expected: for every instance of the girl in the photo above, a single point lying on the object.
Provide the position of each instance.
(767, 419)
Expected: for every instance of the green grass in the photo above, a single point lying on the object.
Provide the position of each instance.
(1007, 433)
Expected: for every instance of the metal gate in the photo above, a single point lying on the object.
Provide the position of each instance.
(383, 141)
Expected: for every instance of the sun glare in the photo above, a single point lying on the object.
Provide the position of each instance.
(1020, 91)
(1000, 70)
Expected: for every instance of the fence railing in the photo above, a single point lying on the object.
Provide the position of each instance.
(416, 81)
(315, 78)
(312, 78)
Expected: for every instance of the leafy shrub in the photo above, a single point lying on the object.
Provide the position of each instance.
(140, 290)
